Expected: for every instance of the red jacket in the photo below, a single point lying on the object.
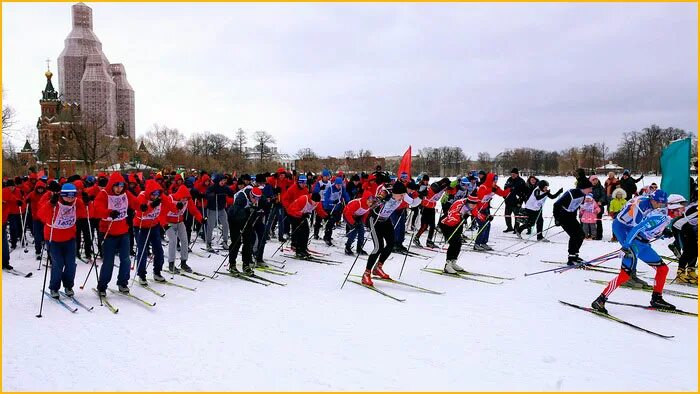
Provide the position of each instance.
(484, 193)
(201, 185)
(12, 197)
(151, 216)
(8, 198)
(60, 220)
(292, 194)
(357, 208)
(456, 213)
(304, 205)
(175, 215)
(106, 201)
(431, 200)
(33, 199)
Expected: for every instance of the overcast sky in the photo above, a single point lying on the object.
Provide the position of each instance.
(335, 77)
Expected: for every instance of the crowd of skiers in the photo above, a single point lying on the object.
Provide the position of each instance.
(131, 216)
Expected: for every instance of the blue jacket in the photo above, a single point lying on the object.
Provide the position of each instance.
(333, 196)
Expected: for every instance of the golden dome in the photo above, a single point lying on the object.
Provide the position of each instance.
(48, 74)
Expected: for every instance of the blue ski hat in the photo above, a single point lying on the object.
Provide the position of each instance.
(464, 180)
(325, 172)
(68, 190)
(404, 175)
(338, 181)
(302, 178)
(660, 196)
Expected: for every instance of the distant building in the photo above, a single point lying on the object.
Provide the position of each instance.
(88, 79)
(608, 167)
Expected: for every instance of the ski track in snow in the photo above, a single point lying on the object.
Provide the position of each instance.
(312, 336)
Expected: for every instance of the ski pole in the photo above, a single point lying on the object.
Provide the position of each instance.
(579, 265)
(405, 255)
(48, 259)
(24, 226)
(532, 243)
(285, 241)
(235, 243)
(358, 255)
(139, 256)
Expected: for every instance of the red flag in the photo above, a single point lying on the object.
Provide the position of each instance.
(405, 165)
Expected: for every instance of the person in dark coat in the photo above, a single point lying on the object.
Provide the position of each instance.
(518, 193)
(629, 184)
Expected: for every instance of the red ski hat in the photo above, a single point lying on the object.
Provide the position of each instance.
(256, 192)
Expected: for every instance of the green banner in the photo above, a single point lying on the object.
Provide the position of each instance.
(675, 168)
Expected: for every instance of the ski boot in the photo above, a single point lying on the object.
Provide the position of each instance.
(172, 268)
(260, 263)
(361, 252)
(38, 256)
(486, 247)
(233, 270)
(675, 250)
(143, 281)
(517, 234)
(416, 241)
(69, 291)
(479, 247)
(7, 266)
(456, 266)
(158, 277)
(508, 230)
(54, 294)
(184, 266)
(691, 272)
(682, 276)
(348, 251)
(378, 271)
(367, 278)
(529, 231)
(316, 237)
(599, 304)
(102, 293)
(328, 242)
(248, 270)
(658, 302)
(449, 268)
(210, 249)
(635, 283)
(574, 259)
(430, 244)
(543, 239)
(122, 289)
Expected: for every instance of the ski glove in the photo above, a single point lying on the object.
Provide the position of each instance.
(667, 232)
(180, 205)
(143, 207)
(54, 199)
(113, 214)
(19, 203)
(489, 218)
(155, 202)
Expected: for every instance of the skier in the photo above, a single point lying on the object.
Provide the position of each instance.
(149, 220)
(642, 220)
(382, 230)
(601, 199)
(564, 212)
(110, 205)
(532, 210)
(299, 212)
(320, 187)
(60, 217)
(333, 201)
(37, 225)
(427, 220)
(518, 193)
(482, 210)
(242, 216)
(180, 205)
(355, 214)
(451, 226)
(685, 228)
(12, 196)
(216, 210)
(5, 244)
(262, 226)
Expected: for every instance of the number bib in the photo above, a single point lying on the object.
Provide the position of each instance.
(117, 203)
(65, 218)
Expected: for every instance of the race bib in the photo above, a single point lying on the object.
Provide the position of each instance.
(389, 208)
(152, 215)
(118, 203)
(65, 218)
(179, 213)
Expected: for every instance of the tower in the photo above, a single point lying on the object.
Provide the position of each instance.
(50, 104)
(125, 120)
(98, 96)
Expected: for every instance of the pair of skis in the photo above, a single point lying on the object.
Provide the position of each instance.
(466, 276)
(18, 273)
(396, 282)
(134, 298)
(626, 323)
(650, 289)
(66, 306)
(606, 270)
(261, 280)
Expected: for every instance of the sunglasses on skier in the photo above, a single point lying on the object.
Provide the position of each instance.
(156, 193)
(119, 184)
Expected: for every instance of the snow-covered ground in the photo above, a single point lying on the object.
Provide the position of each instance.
(310, 335)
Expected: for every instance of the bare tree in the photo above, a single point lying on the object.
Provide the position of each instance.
(240, 142)
(264, 145)
(90, 143)
(307, 154)
(8, 116)
(484, 161)
(161, 141)
(350, 154)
